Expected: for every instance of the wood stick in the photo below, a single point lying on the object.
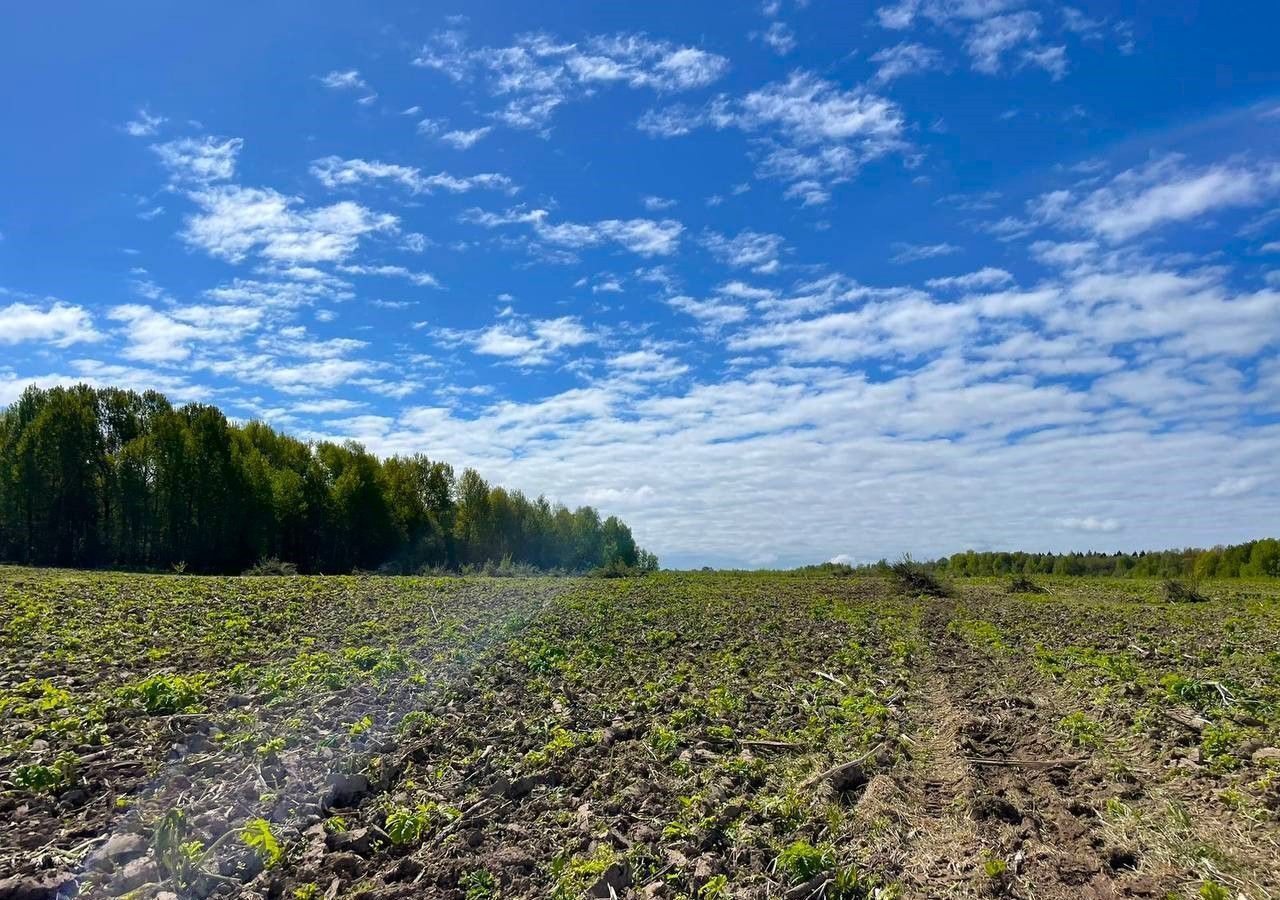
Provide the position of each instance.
(1011, 761)
(841, 768)
(833, 679)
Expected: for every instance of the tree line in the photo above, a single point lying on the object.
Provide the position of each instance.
(1250, 559)
(113, 478)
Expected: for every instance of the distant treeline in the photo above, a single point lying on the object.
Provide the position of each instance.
(110, 477)
(1255, 558)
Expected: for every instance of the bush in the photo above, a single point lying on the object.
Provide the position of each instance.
(508, 568)
(1021, 584)
(615, 568)
(271, 566)
(1176, 591)
(914, 578)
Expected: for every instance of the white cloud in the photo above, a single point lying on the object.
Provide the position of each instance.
(656, 204)
(905, 253)
(538, 74)
(200, 160)
(899, 15)
(747, 249)
(815, 133)
(1237, 486)
(810, 111)
(464, 140)
(906, 58)
(415, 242)
(715, 312)
(993, 31)
(60, 324)
(335, 172)
(324, 407)
(1162, 192)
(234, 221)
(780, 38)
(992, 39)
(646, 365)
(526, 342)
(344, 80)
(983, 278)
(166, 337)
(421, 279)
(645, 237)
(756, 446)
(144, 125)
(1091, 523)
(349, 80)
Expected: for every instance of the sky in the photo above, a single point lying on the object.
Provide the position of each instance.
(775, 282)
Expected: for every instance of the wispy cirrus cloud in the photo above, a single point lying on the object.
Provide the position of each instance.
(907, 253)
(349, 80)
(539, 73)
(644, 237)
(746, 250)
(997, 34)
(813, 133)
(1162, 192)
(200, 160)
(144, 124)
(906, 58)
(335, 172)
(1166, 191)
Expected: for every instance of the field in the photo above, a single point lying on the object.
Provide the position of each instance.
(676, 736)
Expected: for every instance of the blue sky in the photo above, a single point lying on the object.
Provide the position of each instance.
(776, 283)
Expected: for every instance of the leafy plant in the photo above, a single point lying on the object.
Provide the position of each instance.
(166, 694)
(257, 835)
(41, 779)
(1211, 890)
(1217, 744)
(1082, 730)
(715, 888)
(571, 875)
(478, 884)
(407, 826)
(664, 741)
(801, 860)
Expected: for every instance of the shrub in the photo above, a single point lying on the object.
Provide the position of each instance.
(1176, 591)
(615, 568)
(1021, 584)
(911, 576)
(271, 566)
